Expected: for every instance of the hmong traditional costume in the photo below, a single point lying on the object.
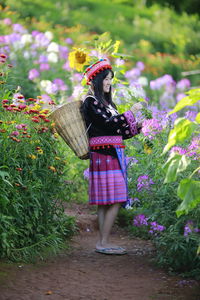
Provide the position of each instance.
(107, 172)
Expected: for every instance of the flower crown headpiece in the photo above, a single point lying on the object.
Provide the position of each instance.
(96, 68)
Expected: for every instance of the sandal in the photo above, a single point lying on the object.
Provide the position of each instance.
(115, 251)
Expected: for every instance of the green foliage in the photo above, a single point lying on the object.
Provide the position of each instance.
(192, 98)
(188, 189)
(177, 253)
(183, 129)
(32, 170)
(189, 192)
(174, 250)
(175, 164)
(165, 30)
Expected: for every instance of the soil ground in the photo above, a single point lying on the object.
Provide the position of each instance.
(82, 274)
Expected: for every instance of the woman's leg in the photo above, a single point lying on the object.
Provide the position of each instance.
(106, 216)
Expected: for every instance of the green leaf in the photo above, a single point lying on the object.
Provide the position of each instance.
(198, 118)
(189, 192)
(4, 175)
(175, 164)
(182, 130)
(194, 96)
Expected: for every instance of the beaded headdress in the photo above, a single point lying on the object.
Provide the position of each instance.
(96, 68)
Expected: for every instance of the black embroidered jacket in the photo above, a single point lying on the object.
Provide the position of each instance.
(106, 127)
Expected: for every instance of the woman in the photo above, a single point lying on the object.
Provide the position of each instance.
(106, 129)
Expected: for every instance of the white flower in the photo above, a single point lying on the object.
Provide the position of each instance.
(48, 87)
(17, 45)
(49, 35)
(52, 57)
(26, 39)
(53, 47)
(44, 83)
(137, 91)
(26, 54)
(77, 91)
(143, 81)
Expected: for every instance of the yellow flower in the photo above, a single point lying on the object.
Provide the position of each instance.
(57, 158)
(78, 59)
(147, 149)
(52, 168)
(40, 151)
(44, 111)
(55, 135)
(32, 156)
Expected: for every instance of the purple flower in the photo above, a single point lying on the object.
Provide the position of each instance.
(180, 96)
(7, 21)
(43, 59)
(44, 67)
(191, 115)
(140, 220)
(12, 38)
(155, 228)
(188, 228)
(183, 84)
(63, 52)
(45, 98)
(151, 127)
(178, 150)
(66, 66)
(193, 148)
(41, 40)
(69, 41)
(60, 84)
(131, 160)
(77, 77)
(33, 73)
(140, 65)
(144, 182)
(119, 62)
(132, 74)
(86, 174)
(19, 28)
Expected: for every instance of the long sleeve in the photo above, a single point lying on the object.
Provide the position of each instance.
(103, 123)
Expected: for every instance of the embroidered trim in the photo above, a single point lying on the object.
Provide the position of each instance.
(105, 140)
(131, 122)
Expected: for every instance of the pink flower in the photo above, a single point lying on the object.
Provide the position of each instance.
(44, 67)
(33, 73)
(15, 133)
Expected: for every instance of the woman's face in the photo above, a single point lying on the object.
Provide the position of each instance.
(107, 83)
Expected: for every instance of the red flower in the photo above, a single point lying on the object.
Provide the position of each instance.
(22, 106)
(34, 111)
(5, 101)
(35, 119)
(2, 55)
(31, 99)
(19, 169)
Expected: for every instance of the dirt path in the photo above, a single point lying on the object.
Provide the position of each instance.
(82, 274)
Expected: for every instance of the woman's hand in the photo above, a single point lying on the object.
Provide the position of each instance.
(136, 107)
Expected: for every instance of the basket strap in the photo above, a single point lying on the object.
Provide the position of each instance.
(88, 128)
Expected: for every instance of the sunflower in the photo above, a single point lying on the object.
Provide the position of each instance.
(78, 59)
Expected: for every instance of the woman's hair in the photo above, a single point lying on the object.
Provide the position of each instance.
(97, 83)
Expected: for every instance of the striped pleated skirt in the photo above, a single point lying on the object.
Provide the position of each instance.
(107, 179)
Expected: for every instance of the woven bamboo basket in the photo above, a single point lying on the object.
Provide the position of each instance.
(70, 125)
